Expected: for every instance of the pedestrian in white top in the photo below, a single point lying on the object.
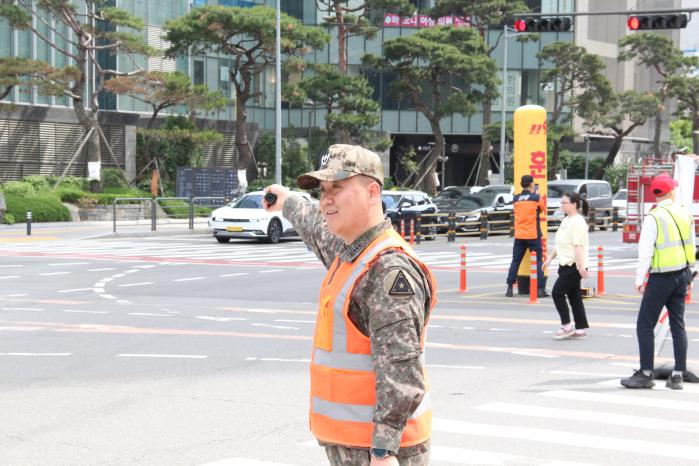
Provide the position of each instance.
(572, 243)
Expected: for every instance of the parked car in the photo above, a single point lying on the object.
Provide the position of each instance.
(507, 191)
(245, 217)
(469, 208)
(449, 195)
(598, 194)
(405, 205)
(619, 201)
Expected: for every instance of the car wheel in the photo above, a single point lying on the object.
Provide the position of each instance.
(274, 231)
(222, 239)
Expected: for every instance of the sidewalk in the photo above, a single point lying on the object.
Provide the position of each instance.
(61, 231)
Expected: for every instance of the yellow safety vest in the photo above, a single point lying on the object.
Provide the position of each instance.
(670, 255)
(343, 381)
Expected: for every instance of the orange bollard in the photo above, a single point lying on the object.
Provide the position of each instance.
(533, 288)
(688, 297)
(600, 271)
(402, 228)
(412, 231)
(462, 276)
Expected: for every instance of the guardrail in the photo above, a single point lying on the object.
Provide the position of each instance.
(164, 208)
(447, 224)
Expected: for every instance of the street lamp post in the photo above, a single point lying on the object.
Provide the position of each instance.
(278, 98)
(503, 98)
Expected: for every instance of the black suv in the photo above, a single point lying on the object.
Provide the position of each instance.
(405, 205)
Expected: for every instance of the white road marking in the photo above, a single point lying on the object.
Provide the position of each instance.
(10, 265)
(292, 321)
(35, 354)
(623, 364)
(131, 271)
(527, 353)
(101, 270)
(98, 290)
(188, 279)
(73, 290)
(279, 327)
(136, 284)
(149, 314)
(589, 374)
(277, 359)
(54, 273)
(149, 266)
(560, 437)
(271, 271)
(233, 274)
(220, 319)
(118, 275)
(69, 263)
(659, 385)
(106, 280)
(107, 296)
(628, 400)
(9, 276)
(590, 416)
(166, 356)
(85, 312)
(18, 295)
(22, 309)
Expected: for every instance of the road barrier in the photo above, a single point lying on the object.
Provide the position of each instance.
(412, 231)
(600, 271)
(129, 210)
(533, 287)
(462, 272)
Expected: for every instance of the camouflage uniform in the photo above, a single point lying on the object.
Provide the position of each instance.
(394, 324)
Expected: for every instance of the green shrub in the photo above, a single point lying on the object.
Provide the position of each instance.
(39, 182)
(113, 178)
(70, 194)
(9, 219)
(74, 182)
(19, 188)
(45, 208)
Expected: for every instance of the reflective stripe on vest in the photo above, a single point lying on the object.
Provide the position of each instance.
(342, 377)
(669, 254)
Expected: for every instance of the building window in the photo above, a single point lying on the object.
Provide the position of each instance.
(198, 72)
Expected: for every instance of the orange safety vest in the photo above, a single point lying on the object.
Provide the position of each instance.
(343, 382)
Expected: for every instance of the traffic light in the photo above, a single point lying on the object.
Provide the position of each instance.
(639, 23)
(543, 24)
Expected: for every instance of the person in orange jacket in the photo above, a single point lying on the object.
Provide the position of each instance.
(528, 208)
(370, 404)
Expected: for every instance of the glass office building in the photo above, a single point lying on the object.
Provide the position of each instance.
(404, 124)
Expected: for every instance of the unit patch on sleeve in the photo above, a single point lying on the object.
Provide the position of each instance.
(398, 285)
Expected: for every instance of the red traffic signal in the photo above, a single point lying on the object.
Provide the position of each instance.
(640, 23)
(543, 24)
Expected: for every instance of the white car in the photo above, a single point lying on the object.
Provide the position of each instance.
(245, 217)
(619, 200)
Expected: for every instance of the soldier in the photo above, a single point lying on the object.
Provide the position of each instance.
(369, 399)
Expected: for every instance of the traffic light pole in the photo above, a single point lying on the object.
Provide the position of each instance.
(503, 97)
(603, 13)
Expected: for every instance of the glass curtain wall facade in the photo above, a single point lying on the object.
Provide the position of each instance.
(523, 82)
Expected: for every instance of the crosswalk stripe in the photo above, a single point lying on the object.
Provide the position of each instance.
(590, 416)
(628, 400)
(561, 437)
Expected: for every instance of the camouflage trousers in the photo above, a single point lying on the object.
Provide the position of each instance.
(418, 455)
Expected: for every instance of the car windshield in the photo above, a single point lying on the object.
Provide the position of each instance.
(390, 200)
(468, 203)
(620, 196)
(495, 190)
(249, 201)
(556, 191)
(486, 198)
(449, 194)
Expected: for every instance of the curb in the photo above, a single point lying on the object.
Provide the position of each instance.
(143, 234)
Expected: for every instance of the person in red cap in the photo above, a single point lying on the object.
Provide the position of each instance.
(666, 251)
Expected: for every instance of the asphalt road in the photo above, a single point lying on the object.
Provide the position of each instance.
(169, 350)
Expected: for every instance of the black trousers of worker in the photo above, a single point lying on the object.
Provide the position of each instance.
(568, 285)
(663, 289)
(518, 249)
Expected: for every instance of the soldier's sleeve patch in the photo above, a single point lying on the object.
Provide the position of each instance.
(398, 285)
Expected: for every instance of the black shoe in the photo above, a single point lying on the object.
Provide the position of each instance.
(541, 293)
(509, 293)
(674, 382)
(638, 380)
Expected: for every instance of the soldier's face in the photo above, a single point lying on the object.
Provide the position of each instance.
(344, 205)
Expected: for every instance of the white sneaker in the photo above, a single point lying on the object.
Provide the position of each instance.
(563, 333)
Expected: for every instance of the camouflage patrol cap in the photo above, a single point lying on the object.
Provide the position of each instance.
(343, 161)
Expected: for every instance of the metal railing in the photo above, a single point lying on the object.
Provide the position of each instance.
(167, 209)
(446, 224)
